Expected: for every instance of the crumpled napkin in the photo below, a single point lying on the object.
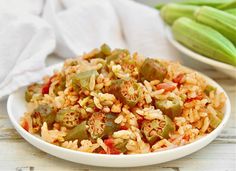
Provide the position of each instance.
(82, 25)
(25, 42)
(69, 28)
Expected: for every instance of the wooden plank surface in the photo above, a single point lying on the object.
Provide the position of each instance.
(17, 154)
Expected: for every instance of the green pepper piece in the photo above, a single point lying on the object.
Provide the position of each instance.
(106, 50)
(169, 107)
(102, 125)
(77, 133)
(127, 91)
(60, 86)
(208, 89)
(168, 128)
(122, 146)
(110, 127)
(68, 117)
(31, 90)
(157, 129)
(99, 55)
(214, 120)
(82, 79)
(153, 70)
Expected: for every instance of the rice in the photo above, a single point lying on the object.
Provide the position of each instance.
(107, 103)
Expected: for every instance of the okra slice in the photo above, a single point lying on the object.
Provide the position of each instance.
(43, 113)
(152, 69)
(169, 107)
(82, 79)
(157, 129)
(127, 91)
(68, 117)
(77, 133)
(102, 125)
(31, 90)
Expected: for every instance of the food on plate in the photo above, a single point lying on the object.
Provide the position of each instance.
(114, 102)
(204, 40)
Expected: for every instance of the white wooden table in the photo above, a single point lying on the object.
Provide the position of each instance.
(17, 154)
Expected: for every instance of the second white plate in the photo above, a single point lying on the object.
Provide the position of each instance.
(226, 68)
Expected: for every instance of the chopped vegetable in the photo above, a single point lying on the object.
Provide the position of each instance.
(46, 86)
(25, 125)
(111, 148)
(112, 57)
(74, 63)
(47, 113)
(169, 107)
(128, 92)
(179, 79)
(43, 113)
(157, 129)
(31, 90)
(165, 86)
(121, 146)
(118, 55)
(60, 86)
(199, 97)
(102, 125)
(82, 79)
(77, 133)
(68, 117)
(99, 55)
(220, 114)
(106, 49)
(209, 89)
(153, 70)
(36, 121)
(214, 120)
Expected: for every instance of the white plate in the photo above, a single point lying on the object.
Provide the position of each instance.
(226, 68)
(16, 106)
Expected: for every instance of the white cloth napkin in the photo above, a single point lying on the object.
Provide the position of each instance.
(25, 42)
(78, 26)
